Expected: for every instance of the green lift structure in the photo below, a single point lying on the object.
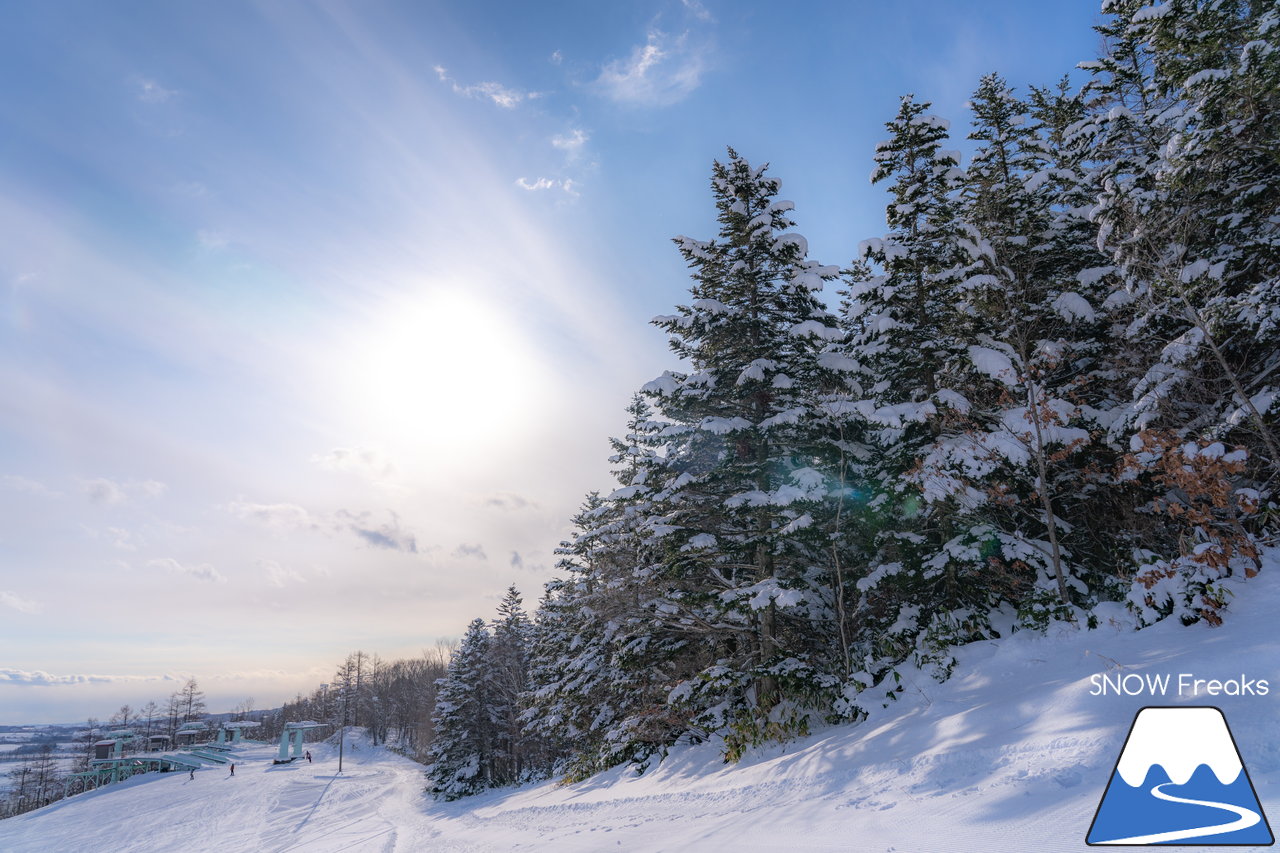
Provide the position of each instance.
(293, 733)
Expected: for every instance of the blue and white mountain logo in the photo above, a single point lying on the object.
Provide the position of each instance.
(1180, 780)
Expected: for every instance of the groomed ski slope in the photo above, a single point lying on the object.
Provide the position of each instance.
(1012, 754)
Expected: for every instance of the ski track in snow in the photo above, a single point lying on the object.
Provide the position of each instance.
(1011, 754)
(1245, 818)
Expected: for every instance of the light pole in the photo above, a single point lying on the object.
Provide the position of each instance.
(342, 730)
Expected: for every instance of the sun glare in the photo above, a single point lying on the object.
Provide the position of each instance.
(444, 373)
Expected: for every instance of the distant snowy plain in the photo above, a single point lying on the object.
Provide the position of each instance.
(1011, 754)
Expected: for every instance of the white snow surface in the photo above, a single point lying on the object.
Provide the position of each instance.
(1011, 754)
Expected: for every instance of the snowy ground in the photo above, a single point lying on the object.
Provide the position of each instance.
(1012, 754)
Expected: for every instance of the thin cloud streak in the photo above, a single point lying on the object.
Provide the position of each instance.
(664, 70)
(39, 678)
(503, 96)
(201, 572)
(16, 602)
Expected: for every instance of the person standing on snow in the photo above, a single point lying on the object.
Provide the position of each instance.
(233, 769)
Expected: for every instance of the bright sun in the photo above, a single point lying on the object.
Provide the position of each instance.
(446, 373)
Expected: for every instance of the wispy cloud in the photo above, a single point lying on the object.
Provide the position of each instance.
(568, 185)
(150, 488)
(476, 551)
(517, 562)
(211, 240)
(556, 57)
(19, 483)
(105, 492)
(315, 672)
(663, 70)
(499, 94)
(280, 516)
(150, 91)
(38, 678)
(571, 143)
(201, 572)
(697, 10)
(390, 535)
(363, 460)
(122, 539)
(102, 491)
(277, 575)
(508, 501)
(16, 602)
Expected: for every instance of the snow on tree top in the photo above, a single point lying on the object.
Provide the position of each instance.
(993, 363)
(713, 306)
(1199, 268)
(1073, 306)
(794, 239)
(816, 329)
(931, 121)
(722, 426)
(1093, 275)
(1150, 13)
(701, 540)
(664, 384)
(1206, 75)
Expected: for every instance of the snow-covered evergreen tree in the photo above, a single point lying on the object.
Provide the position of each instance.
(1011, 453)
(739, 572)
(1184, 131)
(1054, 381)
(509, 677)
(462, 752)
(901, 321)
(602, 667)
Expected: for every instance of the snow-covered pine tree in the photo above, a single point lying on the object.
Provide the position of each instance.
(740, 575)
(1098, 513)
(546, 717)
(461, 754)
(509, 677)
(902, 334)
(1184, 128)
(1010, 454)
(601, 669)
(583, 691)
(844, 520)
(1219, 189)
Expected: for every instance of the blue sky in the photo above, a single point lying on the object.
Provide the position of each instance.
(316, 317)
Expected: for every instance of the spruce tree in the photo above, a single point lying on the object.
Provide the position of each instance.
(735, 483)
(601, 667)
(901, 316)
(462, 752)
(1011, 454)
(509, 672)
(1183, 127)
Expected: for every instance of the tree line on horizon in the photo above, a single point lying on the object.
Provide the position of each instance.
(40, 778)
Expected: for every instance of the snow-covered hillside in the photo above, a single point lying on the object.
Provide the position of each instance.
(1011, 754)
